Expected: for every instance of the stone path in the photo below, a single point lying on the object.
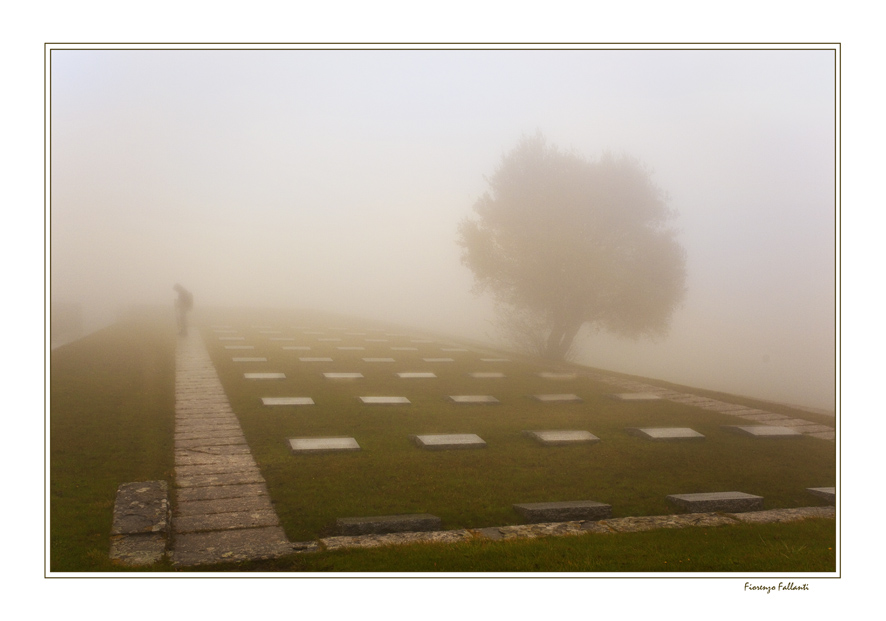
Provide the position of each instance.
(222, 511)
(752, 415)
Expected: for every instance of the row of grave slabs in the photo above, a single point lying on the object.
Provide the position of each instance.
(339, 431)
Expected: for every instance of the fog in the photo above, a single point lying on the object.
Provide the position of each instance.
(335, 180)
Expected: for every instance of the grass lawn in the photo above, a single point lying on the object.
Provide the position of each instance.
(111, 421)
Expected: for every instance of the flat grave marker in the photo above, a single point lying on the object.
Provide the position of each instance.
(828, 493)
(567, 511)
(264, 376)
(384, 524)
(556, 375)
(282, 338)
(296, 347)
(310, 359)
(558, 398)
(494, 360)
(385, 400)
(376, 340)
(562, 437)
(329, 339)
(635, 396)
(404, 348)
(378, 360)
(664, 434)
(416, 375)
(448, 441)
(338, 376)
(438, 359)
(762, 431)
(350, 348)
(287, 401)
(300, 446)
(232, 338)
(486, 375)
(474, 399)
(453, 349)
(239, 346)
(253, 359)
(734, 502)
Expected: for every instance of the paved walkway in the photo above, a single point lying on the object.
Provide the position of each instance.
(222, 511)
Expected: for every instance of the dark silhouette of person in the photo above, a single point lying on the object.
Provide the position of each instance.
(183, 303)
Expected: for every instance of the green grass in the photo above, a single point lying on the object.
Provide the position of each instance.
(111, 421)
(477, 488)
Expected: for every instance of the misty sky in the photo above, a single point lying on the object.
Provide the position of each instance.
(335, 180)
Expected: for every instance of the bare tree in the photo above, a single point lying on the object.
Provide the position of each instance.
(563, 242)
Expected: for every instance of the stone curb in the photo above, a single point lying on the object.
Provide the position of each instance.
(560, 529)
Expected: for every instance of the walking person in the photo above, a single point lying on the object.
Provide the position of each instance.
(183, 303)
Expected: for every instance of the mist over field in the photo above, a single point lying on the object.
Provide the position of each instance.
(336, 180)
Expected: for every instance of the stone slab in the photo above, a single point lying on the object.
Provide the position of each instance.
(282, 338)
(494, 360)
(287, 401)
(828, 493)
(228, 546)
(141, 507)
(223, 466)
(330, 339)
(443, 442)
(474, 399)
(264, 376)
(453, 349)
(199, 459)
(376, 340)
(562, 437)
(416, 375)
(635, 396)
(221, 492)
(486, 375)
(733, 502)
(342, 376)
(138, 550)
(232, 478)
(538, 512)
(206, 443)
(665, 434)
(229, 520)
(250, 359)
(232, 338)
(320, 359)
(557, 376)
(257, 502)
(559, 398)
(378, 360)
(438, 359)
(239, 346)
(296, 347)
(302, 446)
(384, 524)
(351, 348)
(762, 431)
(384, 400)
(404, 348)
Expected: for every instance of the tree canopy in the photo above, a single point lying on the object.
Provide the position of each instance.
(562, 241)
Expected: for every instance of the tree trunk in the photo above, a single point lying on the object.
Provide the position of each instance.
(560, 339)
